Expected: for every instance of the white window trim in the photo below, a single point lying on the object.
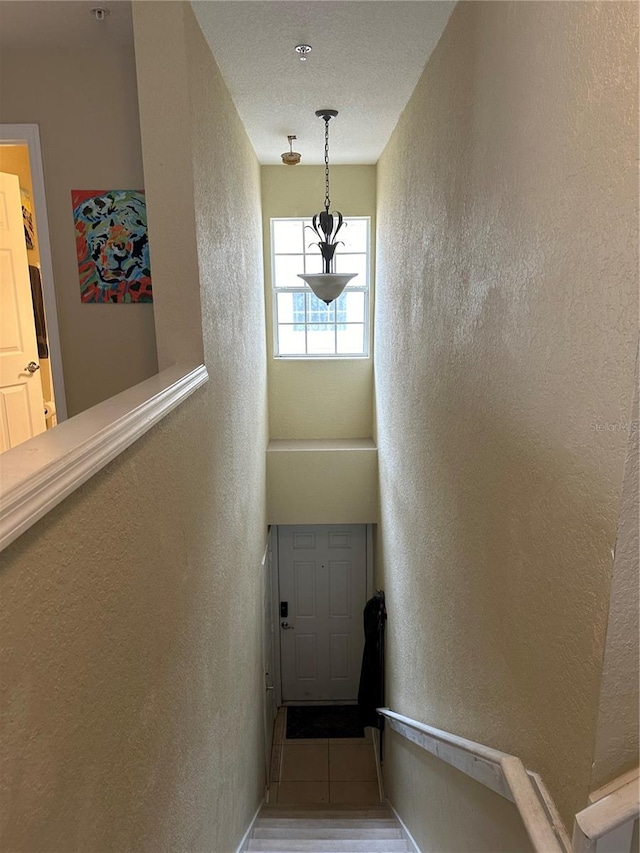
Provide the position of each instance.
(305, 289)
(38, 474)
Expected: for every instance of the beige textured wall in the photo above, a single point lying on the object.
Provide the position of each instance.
(417, 783)
(617, 731)
(84, 101)
(308, 484)
(131, 661)
(168, 169)
(507, 307)
(330, 398)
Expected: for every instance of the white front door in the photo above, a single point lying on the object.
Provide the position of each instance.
(323, 590)
(21, 403)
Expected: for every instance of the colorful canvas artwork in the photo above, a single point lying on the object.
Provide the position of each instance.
(112, 245)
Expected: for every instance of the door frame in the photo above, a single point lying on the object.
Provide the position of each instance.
(29, 135)
(268, 628)
(275, 577)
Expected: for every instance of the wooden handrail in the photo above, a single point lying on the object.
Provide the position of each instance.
(41, 472)
(503, 773)
(611, 812)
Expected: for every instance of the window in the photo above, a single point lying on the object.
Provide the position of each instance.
(304, 326)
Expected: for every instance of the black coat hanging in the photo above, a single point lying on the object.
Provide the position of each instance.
(371, 690)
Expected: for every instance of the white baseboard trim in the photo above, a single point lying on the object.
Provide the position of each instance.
(376, 751)
(412, 842)
(247, 835)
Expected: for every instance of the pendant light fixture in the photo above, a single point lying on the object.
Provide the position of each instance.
(291, 157)
(327, 285)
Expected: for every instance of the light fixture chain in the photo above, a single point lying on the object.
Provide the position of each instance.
(327, 201)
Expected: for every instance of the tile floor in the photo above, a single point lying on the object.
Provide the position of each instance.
(326, 770)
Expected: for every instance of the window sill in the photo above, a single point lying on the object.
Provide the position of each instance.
(278, 445)
(321, 357)
(39, 474)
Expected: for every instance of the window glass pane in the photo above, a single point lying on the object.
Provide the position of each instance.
(287, 236)
(287, 269)
(311, 242)
(291, 341)
(320, 316)
(351, 338)
(313, 263)
(299, 315)
(354, 236)
(350, 308)
(353, 263)
(321, 342)
(285, 308)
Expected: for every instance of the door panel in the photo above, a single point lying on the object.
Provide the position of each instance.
(306, 658)
(305, 590)
(339, 662)
(322, 577)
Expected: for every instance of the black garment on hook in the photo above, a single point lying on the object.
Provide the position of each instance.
(371, 690)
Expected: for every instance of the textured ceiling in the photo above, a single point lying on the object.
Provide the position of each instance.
(367, 57)
(63, 23)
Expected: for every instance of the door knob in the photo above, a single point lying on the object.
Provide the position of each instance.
(32, 367)
(286, 627)
(270, 687)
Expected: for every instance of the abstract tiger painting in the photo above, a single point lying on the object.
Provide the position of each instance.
(112, 245)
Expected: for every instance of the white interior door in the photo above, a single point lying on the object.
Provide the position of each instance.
(21, 403)
(322, 583)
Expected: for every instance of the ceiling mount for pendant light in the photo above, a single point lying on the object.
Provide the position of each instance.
(291, 157)
(303, 50)
(328, 284)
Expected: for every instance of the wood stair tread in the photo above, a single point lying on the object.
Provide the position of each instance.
(326, 833)
(368, 845)
(322, 810)
(323, 828)
(325, 822)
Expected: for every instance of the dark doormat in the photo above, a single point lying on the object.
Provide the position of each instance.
(318, 721)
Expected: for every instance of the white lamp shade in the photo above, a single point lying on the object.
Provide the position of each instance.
(327, 286)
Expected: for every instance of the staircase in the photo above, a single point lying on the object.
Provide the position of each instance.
(305, 829)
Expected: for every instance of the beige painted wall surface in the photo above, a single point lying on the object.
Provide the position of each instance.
(85, 102)
(617, 731)
(418, 783)
(319, 398)
(327, 486)
(507, 308)
(131, 623)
